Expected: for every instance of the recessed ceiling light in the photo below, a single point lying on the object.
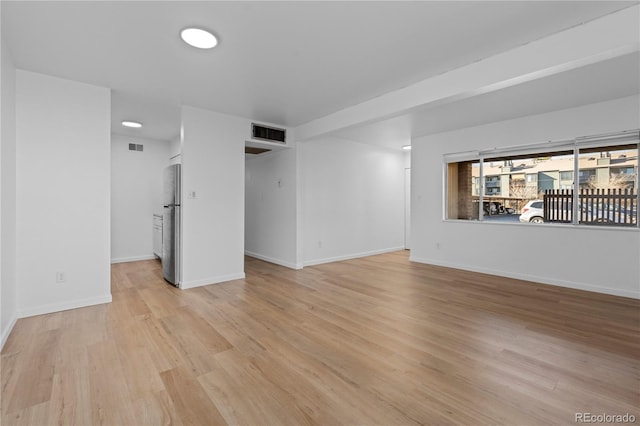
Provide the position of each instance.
(132, 124)
(407, 147)
(199, 38)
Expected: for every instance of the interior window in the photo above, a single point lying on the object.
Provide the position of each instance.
(608, 185)
(589, 181)
(513, 183)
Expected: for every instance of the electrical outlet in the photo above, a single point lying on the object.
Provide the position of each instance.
(60, 277)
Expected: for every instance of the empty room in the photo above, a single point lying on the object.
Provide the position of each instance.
(319, 212)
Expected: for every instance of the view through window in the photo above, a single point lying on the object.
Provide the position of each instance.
(542, 187)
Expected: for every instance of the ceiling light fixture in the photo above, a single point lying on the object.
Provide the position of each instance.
(407, 147)
(199, 38)
(134, 124)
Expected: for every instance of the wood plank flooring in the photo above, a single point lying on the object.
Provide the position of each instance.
(371, 341)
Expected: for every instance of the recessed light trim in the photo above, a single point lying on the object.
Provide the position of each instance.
(199, 38)
(407, 147)
(134, 124)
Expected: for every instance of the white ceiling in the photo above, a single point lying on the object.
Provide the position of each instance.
(599, 82)
(285, 63)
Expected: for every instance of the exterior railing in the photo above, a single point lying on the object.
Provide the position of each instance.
(617, 207)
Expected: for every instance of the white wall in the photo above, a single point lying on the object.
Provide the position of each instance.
(136, 194)
(63, 168)
(175, 151)
(213, 222)
(596, 259)
(8, 301)
(270, 207)
(352, 199)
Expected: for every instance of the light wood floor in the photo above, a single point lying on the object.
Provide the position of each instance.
(373, 341)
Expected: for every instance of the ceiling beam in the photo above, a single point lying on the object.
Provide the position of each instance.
(611, 36)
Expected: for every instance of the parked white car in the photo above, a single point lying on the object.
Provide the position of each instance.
(533, 212)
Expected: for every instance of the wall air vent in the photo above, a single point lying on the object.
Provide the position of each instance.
(135, 147)
(266, 133)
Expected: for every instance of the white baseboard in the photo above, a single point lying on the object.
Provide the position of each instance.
(133, 258)
(351, 256)
(532, 278)
(57, 307)
(7, 331)
(212, 280)
(274, 260)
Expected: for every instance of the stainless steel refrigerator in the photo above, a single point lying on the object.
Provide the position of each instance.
(171, 225)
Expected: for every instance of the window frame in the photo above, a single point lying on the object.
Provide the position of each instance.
(627, 137)
(563, 173)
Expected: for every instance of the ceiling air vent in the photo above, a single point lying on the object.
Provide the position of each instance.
(269, 134)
